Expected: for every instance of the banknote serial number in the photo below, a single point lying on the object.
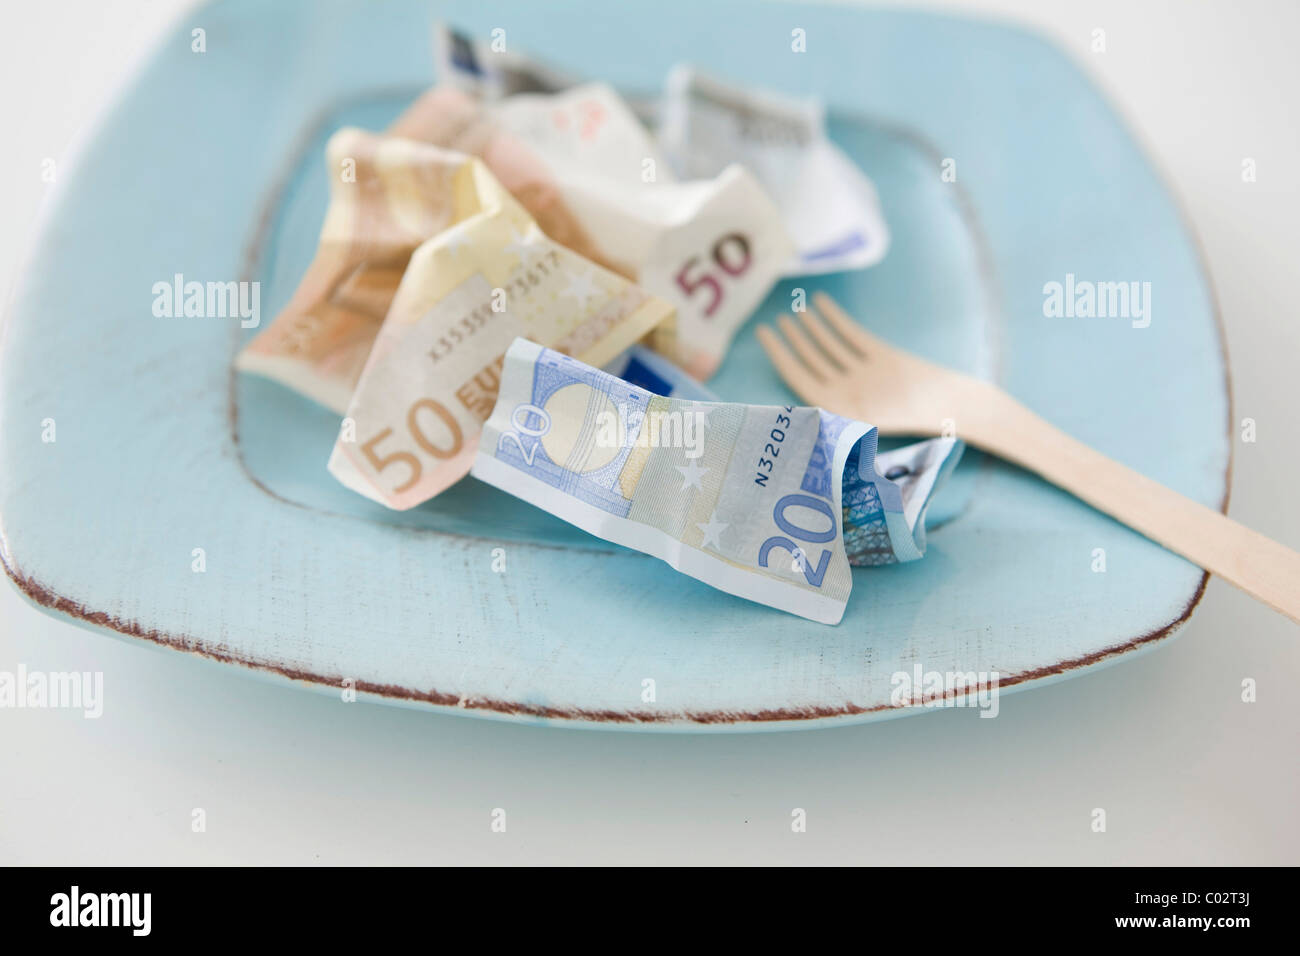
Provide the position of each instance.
(772, 449)
(477, 317)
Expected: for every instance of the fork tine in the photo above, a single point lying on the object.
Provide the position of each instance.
(792, 371)
(811, 356)
(858, 337)
(830, 343)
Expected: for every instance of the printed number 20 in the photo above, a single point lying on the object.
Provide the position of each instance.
(814, 575)
(522, 426)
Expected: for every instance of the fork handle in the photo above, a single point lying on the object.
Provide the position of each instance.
(1258, 565)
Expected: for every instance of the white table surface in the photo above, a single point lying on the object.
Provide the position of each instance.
(1186, 771)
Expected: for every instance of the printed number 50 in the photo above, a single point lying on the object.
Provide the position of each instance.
(412, 463)
(731, 253)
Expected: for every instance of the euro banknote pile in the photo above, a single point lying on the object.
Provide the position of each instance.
(528, 276)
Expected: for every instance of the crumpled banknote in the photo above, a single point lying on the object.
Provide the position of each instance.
(430, 380)
(703, 124)
(388, 194)
(714, 247)
(829, 206)
(575, 161)
(770, 503)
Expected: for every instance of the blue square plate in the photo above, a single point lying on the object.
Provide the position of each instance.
(210, 165)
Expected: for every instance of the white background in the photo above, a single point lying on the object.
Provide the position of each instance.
(1186, 772)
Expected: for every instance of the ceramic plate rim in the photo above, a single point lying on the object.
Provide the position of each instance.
(49, 600)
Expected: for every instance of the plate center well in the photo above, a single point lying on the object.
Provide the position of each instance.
(934, 293)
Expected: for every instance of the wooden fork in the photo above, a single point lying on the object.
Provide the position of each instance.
(847, 370)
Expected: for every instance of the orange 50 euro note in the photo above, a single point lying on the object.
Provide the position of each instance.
(432, 375)
(388, 194)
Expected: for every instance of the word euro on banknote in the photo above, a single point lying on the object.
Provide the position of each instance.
(713, 247)
(829, 206)
(431, 379)
(769, 503)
